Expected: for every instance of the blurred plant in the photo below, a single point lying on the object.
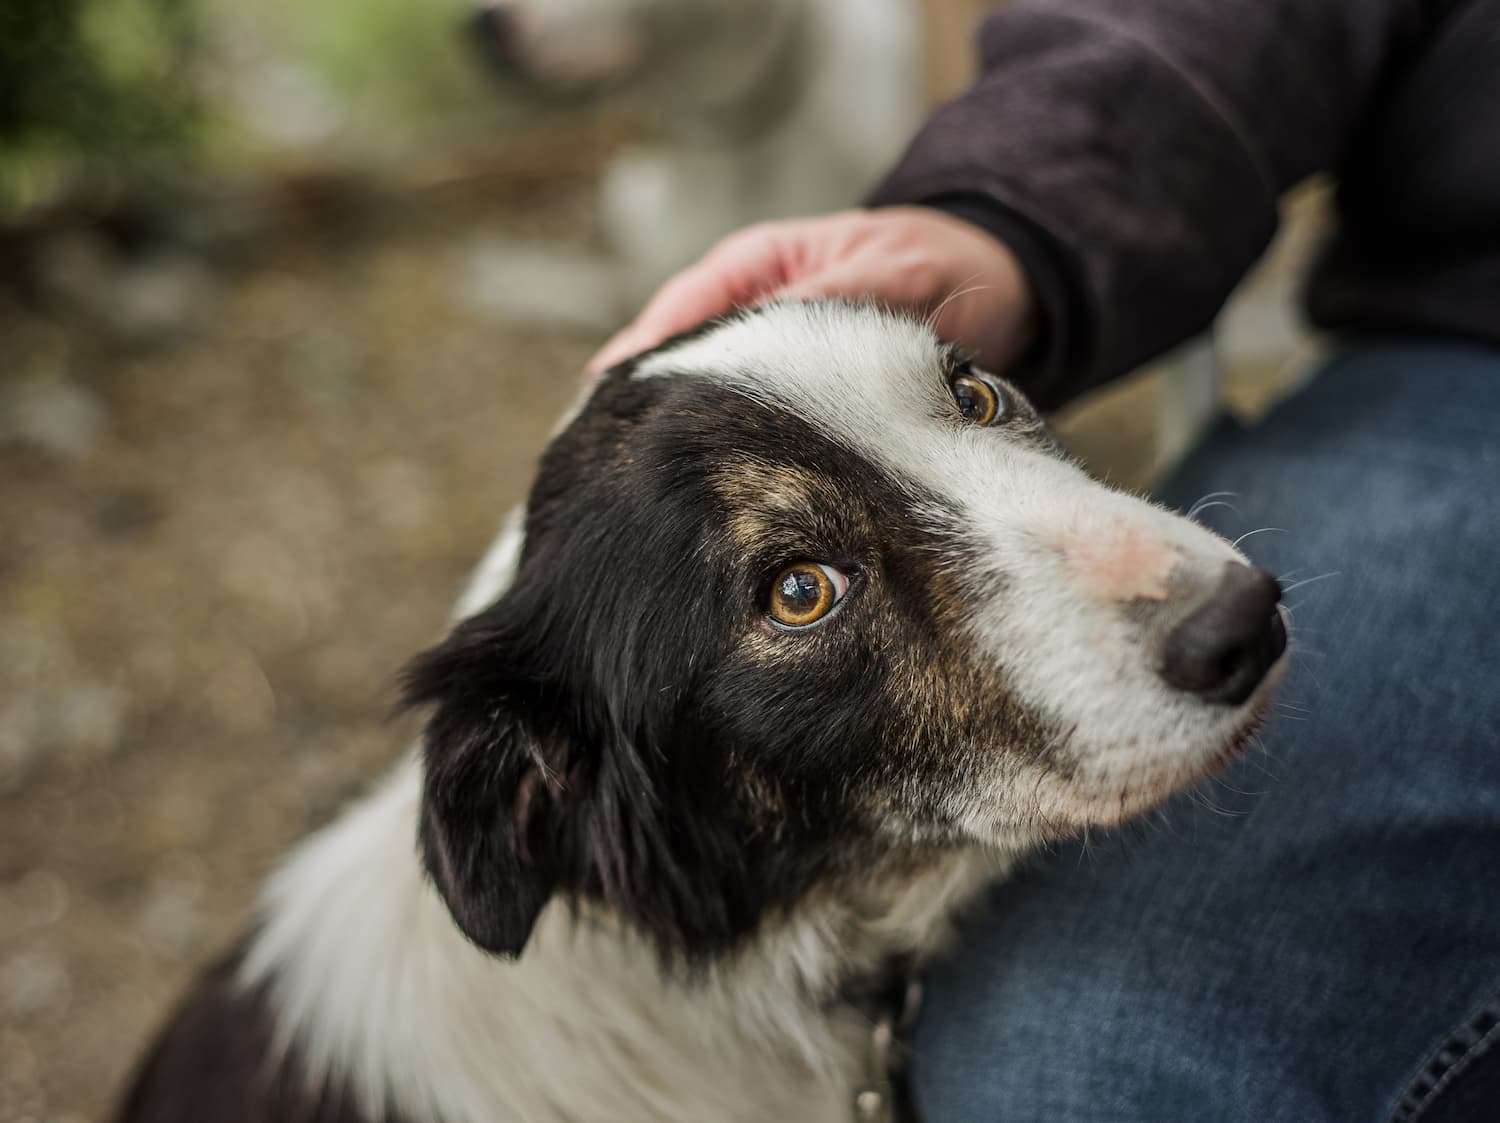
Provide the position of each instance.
(403, 72)
(90, 88)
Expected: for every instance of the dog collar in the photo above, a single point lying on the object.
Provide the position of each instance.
(885, 1096)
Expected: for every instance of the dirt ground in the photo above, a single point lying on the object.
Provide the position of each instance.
(219, 540)
(216, 552)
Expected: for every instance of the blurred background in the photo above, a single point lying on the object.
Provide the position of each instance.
(290, 295)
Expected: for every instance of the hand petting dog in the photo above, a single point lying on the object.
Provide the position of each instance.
(913, 259)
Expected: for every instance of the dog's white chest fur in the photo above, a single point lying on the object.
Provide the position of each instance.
(377, 988)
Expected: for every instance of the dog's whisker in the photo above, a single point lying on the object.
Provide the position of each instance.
(1199, 509)
(1295, 606)
(1243, 793)
(1310, 581)
(1085, 850)
(1199, 506)
(1303, 630)
(962, 289)
(1206, 801)
(1261, 760)
(1262, 530)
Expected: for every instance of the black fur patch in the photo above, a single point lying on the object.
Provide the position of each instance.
(623, 725)
(215, 1063)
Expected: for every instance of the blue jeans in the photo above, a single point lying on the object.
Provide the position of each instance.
(1316, 935)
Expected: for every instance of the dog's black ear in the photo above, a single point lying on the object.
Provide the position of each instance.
(545, 775)
(493, 792)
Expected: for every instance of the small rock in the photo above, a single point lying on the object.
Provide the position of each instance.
(37, 899)
(288, 105)
(238, 693)
(126, 512)
(52, 414)
(156, 299)
(171, 917)
(547, 285)
(73, 268)
(399, 494)
(143, 298)
(34, 982)
(88, 721)
(20, 741)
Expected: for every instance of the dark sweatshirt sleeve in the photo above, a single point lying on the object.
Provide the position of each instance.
(1132, 153)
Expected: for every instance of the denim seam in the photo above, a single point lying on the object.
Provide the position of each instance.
(1446, 1063)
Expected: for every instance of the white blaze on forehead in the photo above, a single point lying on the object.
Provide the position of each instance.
(871, 381)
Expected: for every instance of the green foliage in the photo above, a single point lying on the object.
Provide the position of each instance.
(404, 69)
(95, 85)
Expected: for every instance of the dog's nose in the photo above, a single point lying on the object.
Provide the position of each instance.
(1222, 650)
(492, 28)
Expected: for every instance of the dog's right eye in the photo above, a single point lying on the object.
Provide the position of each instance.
(804, 593)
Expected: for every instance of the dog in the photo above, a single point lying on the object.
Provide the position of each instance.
(755, 109)
(807, 633)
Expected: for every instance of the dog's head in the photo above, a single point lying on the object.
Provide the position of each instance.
(802, 591)
(659, 52)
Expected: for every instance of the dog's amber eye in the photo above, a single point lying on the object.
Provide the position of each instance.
(978, 398)
(805, 592)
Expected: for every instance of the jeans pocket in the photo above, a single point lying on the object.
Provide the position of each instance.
(1459, 1081)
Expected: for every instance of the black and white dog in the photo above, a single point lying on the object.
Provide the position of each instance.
(808, 631)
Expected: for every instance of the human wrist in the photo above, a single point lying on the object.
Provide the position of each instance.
(1056, 328)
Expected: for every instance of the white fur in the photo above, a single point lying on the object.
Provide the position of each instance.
(373, 982)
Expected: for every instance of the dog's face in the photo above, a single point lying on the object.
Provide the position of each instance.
(803, 591)
(687, 51)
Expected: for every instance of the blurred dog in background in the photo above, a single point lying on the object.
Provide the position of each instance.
(753, 109)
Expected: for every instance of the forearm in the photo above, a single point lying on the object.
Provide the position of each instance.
(1138, 148)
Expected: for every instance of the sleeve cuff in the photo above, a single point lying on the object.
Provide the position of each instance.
(1053, 368)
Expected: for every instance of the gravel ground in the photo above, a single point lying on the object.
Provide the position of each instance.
(232, 504)
(216, 552)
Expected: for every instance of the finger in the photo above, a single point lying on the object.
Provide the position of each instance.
(844, 284)
(682, 302)
(619, 348)
(735, 272)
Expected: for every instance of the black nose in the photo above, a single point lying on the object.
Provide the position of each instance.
(493, 31)
(1224, 648)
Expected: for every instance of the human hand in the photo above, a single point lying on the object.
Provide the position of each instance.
(913, 258)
